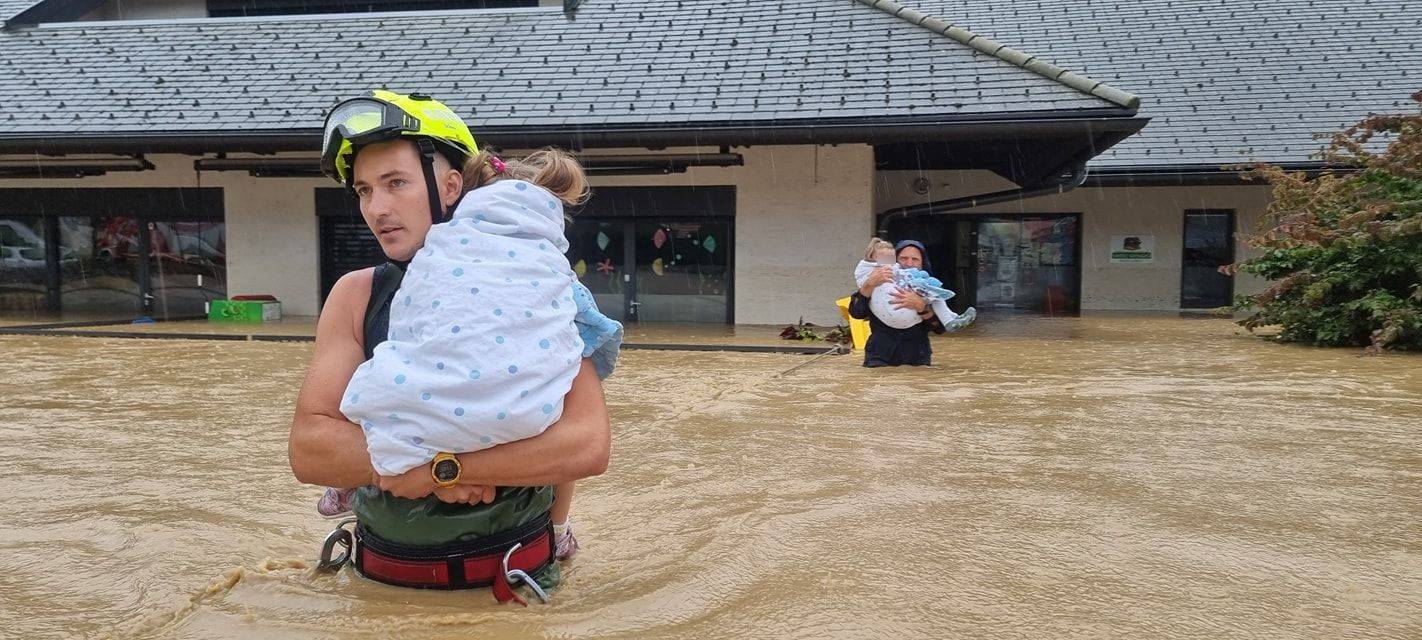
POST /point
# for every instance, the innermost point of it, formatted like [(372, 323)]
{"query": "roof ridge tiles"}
[(1007, 54)]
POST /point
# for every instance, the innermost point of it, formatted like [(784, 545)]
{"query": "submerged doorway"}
[(1025, 263)]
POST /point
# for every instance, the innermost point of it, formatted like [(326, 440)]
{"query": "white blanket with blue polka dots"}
[(487, 331)]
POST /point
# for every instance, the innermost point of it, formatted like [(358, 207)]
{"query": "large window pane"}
[(99, 265), (188, 262), (22, 266)]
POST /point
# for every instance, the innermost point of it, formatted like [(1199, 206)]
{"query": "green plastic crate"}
[(243, 311)]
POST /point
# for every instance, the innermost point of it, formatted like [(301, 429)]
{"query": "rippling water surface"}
[(1127, 476)]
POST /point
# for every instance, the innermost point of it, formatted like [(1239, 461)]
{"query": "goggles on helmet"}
[(357, 122)]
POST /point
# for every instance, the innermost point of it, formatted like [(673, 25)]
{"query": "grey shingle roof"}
[(1221, 80), (619, 62), (9, 8)]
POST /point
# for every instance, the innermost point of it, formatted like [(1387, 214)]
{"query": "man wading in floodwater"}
[(414, 530)]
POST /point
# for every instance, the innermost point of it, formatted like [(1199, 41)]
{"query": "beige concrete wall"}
[(804, 214), (271, 225), (272, 243), (1105, 211)]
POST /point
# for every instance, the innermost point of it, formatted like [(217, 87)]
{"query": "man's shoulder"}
[(345, 304), (352, 286)]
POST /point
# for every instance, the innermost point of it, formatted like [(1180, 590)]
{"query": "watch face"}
[(446, 470)]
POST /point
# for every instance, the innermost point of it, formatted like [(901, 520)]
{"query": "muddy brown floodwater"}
[(1104, 476)]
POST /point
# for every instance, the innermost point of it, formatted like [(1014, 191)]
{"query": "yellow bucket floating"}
[(858, 329)]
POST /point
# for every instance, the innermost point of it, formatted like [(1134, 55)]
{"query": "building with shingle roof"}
[(742, 152)]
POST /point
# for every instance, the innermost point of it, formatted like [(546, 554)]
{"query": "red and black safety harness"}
[(499, 561)]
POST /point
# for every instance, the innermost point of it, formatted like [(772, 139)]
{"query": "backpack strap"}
[(383, 285)]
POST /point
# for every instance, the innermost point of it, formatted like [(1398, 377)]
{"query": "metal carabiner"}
[(519, 574), (340, 536)]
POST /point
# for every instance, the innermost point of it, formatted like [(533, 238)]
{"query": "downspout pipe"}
[(1075, 178)]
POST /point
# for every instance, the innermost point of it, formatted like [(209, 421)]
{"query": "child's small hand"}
[(880, 276)]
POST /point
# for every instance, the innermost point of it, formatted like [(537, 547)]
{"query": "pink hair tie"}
[(497, 164)]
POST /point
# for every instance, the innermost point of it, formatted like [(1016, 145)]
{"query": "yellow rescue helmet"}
[(387, 115)]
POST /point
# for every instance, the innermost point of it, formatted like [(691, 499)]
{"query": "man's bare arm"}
[(324, 447)]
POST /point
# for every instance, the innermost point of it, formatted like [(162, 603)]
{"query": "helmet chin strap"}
[(438, 213), (427, 155)]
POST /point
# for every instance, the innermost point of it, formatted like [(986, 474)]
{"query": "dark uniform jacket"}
[(889, 347)]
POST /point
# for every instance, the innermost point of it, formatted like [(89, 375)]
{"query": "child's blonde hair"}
[(550, 168), (876, 244)]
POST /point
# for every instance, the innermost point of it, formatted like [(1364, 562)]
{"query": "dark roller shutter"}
[(346, 243)]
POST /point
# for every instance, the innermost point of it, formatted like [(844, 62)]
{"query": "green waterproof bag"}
[(428, 522)]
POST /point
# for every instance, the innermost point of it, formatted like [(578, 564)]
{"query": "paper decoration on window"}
[(602, 240), (709, 243), (657, 267), (678, 256), (659, 238), (581, 268), (606, 267)]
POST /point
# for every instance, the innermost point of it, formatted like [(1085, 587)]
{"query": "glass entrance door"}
[(1028, 264), (683, 271), (680, 269), (659, 254), (187, 265), (22, 265), (1209, 244)]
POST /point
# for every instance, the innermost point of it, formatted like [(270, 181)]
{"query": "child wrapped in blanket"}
[(487, 330), (881, 253)]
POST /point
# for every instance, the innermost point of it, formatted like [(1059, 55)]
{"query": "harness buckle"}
[(518, 574), (340, 536)]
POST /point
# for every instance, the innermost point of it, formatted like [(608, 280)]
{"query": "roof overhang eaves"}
[(843, 131)]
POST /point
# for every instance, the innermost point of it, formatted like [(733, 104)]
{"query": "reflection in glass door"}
[(1028, 264), (112, 252), (99, 266), (22, 265), (187, 263)]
